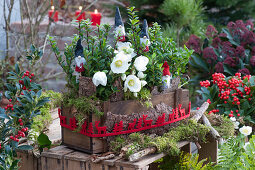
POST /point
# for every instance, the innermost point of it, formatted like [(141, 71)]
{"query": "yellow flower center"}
[(123, 48), (131, 82), (118, 63), (245, 131)]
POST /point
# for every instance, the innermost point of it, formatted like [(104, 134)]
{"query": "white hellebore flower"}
[(141, 63), (236, 125), (246, 130), (123, 77), (143, 82), (99, 78), (133, 83), (233, 119), (140, 75), (126, 48), (120, 63)]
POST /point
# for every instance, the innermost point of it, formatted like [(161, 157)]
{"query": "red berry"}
[(24, 88), (21, 124), (16, 136), (17, 140), (231, 112), (238, 103), (237, 111), (30, 80), (197, 108), (6, 108), (12, 109), (225, 102), (22, 93), (230, 115), (32, 74), (10, 100), (238, 114), (11, 137), (20, 120)]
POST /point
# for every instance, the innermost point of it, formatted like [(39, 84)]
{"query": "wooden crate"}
[(28, 161), (97, 145), (66, 159)]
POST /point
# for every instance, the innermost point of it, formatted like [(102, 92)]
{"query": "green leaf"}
[(43, 141), (25, 147), (200, 62), (17, 69), (42, 101), (3, 115)]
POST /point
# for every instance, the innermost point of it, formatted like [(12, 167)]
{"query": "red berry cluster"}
[(21, 133), (213, 111), (26, 74), (205, 83), (209, 101), (9, 106)]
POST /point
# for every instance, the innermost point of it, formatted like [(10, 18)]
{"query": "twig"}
[(201, 111), (214, 132)]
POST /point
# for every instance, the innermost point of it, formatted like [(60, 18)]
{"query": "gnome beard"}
[(145, 42), (166, 78), (79, 66), (120, 33)]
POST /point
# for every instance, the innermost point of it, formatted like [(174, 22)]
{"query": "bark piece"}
[(213, 132), (201, 111), (86, 87), (142, 153), (117, 96)]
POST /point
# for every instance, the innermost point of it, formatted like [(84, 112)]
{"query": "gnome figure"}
[(144, 36), (166, 78), (119, 26), (79, 59)]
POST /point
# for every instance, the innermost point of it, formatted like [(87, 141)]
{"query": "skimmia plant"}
[(17, 117)]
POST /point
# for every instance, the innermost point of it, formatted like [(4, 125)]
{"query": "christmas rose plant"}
[(232, 96), (132, 56), (17, 117), (230, 51)]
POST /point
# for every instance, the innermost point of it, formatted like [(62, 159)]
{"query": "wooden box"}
[(97, 145)]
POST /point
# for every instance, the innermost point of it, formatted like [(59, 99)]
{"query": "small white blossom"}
[(120, 63), (125, 88), (141, 63), (236, 125), (246, 130), (126, 48), (123, 77), (135, 94), (133, 83), (233, 119), (99, 78), (143, 82), (140, 75)]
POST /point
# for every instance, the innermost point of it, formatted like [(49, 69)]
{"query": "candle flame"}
[(80, 8), (96, 11), (52, 7)]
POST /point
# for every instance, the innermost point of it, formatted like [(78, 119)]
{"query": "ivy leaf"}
[(43, 141)]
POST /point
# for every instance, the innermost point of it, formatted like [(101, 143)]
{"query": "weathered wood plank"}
[(209, 150)]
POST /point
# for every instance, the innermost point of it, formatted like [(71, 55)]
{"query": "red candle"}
[(95, 17), (51, 12), (78, 14)]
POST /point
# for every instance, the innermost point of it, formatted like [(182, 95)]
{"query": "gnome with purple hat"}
[(119, 26), (144, 36)]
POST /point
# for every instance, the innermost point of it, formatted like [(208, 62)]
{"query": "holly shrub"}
[(17, 117), (232, 96)]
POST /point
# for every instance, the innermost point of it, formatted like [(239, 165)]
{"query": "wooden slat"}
[(208, 150)]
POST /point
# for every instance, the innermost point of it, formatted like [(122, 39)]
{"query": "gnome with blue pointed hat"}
[(79, 59), (119, 26), (144, 37)]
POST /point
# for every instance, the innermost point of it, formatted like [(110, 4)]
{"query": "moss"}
[(222, 124), (168, 143)]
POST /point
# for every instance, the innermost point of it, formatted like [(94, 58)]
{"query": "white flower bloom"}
[(140, 75), (126, 48), (143, 82), (246, 130), (133, 83), (141, 63), (125, 88), (236, 124), (99, 78), (123, 77), (120, 63), (135, 94), (233, 119)]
